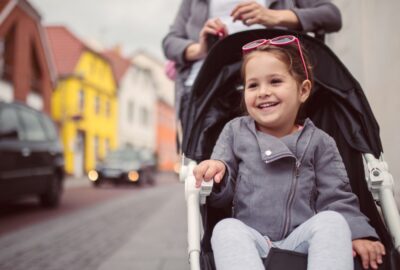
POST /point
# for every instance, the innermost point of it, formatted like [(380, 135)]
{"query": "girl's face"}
[(272, 95)]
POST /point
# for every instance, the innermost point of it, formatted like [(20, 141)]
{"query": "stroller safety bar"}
[(380, 183), (194, 196)]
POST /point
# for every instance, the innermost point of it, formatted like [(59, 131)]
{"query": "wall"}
[(137, 90), (369, 45)]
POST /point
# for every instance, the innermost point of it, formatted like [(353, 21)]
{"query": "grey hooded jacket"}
[(275, 184)]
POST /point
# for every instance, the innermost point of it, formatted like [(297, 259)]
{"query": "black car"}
[(31, 155), (125, 165)]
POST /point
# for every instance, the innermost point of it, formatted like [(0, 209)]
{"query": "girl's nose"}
[(264, 91)]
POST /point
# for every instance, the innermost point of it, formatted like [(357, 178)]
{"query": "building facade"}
[(26, 72), (84, 103), (165, 140)]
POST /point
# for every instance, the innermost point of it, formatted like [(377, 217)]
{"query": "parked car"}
[(125, 165), (31, 155)]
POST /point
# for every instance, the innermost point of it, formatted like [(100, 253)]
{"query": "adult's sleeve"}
[(319, 16), (334, 191), (222, 194), (176, 41)]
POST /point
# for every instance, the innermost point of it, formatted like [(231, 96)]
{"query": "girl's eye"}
[(276, 81), (251, 85)]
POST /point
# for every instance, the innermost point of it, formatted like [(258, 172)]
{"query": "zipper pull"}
[(298, 164)]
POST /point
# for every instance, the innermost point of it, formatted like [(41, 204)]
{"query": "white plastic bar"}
[(380, 183), (192, 195)]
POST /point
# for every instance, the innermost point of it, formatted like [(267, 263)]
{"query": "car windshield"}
[(122, 155)]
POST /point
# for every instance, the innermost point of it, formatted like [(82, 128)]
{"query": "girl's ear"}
[(305, 90)]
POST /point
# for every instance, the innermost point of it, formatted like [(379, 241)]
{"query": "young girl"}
[(286, 180)]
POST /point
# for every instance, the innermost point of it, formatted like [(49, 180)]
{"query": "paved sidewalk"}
[(159, 245), (142, 231)]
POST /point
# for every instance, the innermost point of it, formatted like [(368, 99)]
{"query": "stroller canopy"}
[(337, 100)]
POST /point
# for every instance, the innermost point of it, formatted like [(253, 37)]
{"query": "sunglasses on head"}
[(277, 41)]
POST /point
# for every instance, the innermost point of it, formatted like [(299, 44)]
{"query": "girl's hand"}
[(253, 13), (371, 252), (209, 169), (196, 51)]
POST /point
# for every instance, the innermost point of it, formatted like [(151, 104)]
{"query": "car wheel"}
[(51, 198), (148, 178), (97, 183)]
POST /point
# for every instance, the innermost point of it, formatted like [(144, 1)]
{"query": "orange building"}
[(166, 140)]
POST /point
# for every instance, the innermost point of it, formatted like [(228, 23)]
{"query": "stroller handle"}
[(194, 197), (381, 184)]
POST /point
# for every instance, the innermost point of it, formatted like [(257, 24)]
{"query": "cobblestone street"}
[(144, 230)]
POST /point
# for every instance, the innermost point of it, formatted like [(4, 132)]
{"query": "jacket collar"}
[(272, 148)]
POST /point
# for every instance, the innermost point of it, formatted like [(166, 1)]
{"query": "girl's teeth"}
[(266, 105)]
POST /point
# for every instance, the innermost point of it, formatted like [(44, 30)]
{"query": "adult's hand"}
[(196, 51), (253, 13)]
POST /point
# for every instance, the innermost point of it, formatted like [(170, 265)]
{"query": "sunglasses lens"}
[(283, 40), (254, 44)]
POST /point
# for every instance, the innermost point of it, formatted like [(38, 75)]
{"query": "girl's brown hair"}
[(290, 55)]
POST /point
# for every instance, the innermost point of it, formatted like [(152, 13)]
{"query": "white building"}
[(166, 127), (164, 86), (137, 99)]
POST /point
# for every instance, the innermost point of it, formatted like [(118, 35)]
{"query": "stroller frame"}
[(378, 179)]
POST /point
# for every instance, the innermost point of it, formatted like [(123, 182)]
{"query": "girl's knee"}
[(228, 229), (332, 221), (331, 217)]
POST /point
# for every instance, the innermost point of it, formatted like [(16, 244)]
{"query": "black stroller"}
[(337, 105)]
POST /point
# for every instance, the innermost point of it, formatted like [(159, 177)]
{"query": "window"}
[(81, 100), (97, 104), (108, 108), (9, 122), (50, 129), (33, 129), (144, 116), (130, 111)]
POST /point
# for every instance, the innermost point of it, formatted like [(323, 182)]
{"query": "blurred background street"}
[(124, 227)]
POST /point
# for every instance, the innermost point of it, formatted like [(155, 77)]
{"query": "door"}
[(36, 145), (15, 155), (79, 155)]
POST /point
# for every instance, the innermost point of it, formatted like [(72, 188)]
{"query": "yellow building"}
[(84, 103)]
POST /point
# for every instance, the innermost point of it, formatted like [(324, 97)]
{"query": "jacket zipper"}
[(291, 198), (293, 189)]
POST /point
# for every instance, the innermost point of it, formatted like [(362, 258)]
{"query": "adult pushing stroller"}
[(337, 105)]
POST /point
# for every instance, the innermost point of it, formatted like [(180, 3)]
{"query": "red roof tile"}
[(119, 64), (66, 49)]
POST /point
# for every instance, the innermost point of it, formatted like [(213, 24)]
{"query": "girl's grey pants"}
[(326, 238)]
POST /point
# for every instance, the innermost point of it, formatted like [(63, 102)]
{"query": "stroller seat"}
[(337, 105)]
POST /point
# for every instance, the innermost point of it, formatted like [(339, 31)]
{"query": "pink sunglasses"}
[(277, 41)]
